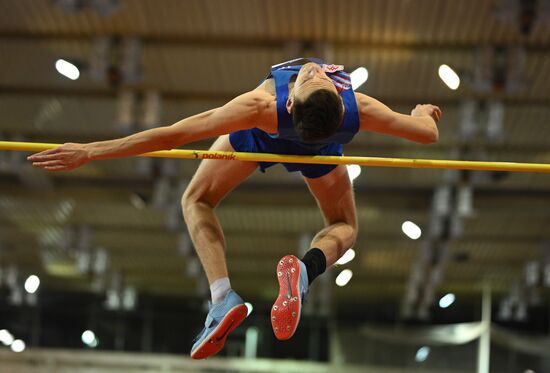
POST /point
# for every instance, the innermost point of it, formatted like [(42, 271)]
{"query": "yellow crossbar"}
[(316, 159)]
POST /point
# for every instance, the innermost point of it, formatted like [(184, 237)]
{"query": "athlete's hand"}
[(63, 158), (428, 109)]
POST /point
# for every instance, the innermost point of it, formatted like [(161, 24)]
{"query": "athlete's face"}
[(311, 77)]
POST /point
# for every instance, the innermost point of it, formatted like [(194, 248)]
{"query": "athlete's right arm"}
[(243, 112)]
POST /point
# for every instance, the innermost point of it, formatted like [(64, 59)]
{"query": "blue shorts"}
[(257, 141)]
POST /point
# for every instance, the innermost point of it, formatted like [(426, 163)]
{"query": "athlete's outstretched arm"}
[(420, 126), (240, 113)]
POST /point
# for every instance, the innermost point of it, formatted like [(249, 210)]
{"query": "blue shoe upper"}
[(216, 314)]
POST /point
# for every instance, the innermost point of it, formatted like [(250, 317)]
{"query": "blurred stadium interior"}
[(112, 253)]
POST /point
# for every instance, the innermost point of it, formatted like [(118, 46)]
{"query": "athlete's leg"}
[(334, 195), (212, 181)]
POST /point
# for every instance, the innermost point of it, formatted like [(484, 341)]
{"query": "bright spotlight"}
[(347, 257), (88, 337), (249, 308), (94, 343), (359, 77), (344, 277), (354, 170), (67, 69), (446, 300), (412, 230), (422, 354), (18, 346), (31, 284), (6, 337), (449, 77)]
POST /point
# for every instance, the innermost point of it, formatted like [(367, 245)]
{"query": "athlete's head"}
[(316, 108)]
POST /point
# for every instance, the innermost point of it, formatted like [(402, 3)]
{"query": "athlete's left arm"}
[(420, 126)]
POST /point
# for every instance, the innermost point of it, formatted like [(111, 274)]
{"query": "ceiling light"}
[(347, 257), (344, 277), (6, 337), (447, 300), (18, 346), (67, 69), (129, 298), (354, 170), (449, 77), (412, 230), (88, 337), (31, 284), (422, 354), (359, 77)]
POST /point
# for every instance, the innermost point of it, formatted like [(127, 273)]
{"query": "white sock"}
[(219, 289)]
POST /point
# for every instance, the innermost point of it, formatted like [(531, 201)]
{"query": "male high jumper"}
[(304, 107)]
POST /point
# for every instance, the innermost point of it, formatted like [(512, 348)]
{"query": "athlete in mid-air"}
[(305, 107)]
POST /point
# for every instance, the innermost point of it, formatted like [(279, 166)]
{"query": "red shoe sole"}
[(285, 313), (216, 340)]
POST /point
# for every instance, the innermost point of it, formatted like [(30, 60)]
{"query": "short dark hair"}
[(317, 117)]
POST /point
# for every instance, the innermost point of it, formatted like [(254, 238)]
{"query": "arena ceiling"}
[(199, 53)]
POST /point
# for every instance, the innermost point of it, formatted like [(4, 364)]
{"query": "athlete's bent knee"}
[(193, 197)]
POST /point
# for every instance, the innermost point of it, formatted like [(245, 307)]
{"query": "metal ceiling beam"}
[(247, 42)]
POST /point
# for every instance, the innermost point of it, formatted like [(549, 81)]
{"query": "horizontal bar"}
[(315, 159)]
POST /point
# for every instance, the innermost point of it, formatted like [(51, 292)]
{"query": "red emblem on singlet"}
[(332, 68)]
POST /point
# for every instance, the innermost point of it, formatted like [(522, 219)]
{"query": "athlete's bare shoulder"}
[(268, 86)]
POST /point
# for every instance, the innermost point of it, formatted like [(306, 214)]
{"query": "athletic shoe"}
[(293, 286), (222, 318)]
